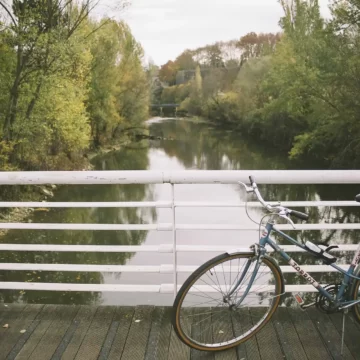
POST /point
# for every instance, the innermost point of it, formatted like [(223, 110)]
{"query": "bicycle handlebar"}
[(258, 195), (298, 214)]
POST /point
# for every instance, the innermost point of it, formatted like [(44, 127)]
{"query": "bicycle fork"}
[(243, 275)]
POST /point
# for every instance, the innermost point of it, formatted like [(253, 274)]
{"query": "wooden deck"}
[(85, 333)]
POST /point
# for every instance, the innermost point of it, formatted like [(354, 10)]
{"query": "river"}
[(181, 145)]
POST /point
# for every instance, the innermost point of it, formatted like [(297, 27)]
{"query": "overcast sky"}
[(165, 28)]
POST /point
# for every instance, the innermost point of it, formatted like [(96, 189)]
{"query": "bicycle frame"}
[(266, 240)]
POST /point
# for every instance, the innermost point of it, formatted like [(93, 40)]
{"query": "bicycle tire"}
[(220, 260)]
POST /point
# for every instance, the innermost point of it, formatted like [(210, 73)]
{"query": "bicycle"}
[(231, 297)]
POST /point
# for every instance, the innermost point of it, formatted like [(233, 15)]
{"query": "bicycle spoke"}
[(211, 286), (218, 285), (218, 281), (203, 293), (206, 302), (222, 265)]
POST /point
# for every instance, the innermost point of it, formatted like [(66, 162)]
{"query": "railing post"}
[(174, 238)]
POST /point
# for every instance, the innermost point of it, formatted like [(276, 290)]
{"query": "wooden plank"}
[(242, 323), (288, 337), (22, 341), (138, 334), (177, 349), (330, 335), (83, 320), (201, 330), (124, 315), (12, 335), (268, 343), (45, 318), (65, 341), (8, 314), (352, 332), (114, 333), (106, 347), (55, 332), (159, 337), (222, 330), (96, 334), (308, 334)]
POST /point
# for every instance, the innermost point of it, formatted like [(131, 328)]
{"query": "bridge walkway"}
[(44, 332)]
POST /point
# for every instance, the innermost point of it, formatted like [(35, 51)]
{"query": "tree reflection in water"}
[(135, 159), (199, 146), (195, 146)]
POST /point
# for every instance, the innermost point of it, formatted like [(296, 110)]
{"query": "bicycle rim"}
[(209, 318)]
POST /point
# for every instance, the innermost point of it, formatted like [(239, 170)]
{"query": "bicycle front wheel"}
[(215, 308)]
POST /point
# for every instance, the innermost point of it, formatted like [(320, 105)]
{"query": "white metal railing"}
[(157, 177)]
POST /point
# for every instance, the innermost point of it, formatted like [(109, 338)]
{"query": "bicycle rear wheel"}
[(206, 316)]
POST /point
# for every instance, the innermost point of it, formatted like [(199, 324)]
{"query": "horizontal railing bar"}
[(86, 248), (258, 205), (164, 248), (225, 248), (212, 289), (113, 204), (349, 226), (284, 269), (168, 227), (167, 204), (163, 269), (163, 288), (84, 268), (180, 177), (68, 226), (78, 287)]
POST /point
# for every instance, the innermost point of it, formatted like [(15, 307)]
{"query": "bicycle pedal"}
[(299, 299)]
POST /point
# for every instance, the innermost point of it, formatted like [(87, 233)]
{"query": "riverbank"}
[(45, 193), (41, 193)]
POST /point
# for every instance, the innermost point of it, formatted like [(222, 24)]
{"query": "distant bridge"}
[(165, 105), (166, 109)]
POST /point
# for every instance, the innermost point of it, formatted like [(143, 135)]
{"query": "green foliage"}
[(119, 95), (175, 94), (298, 91), (67, 82), (193, 104)]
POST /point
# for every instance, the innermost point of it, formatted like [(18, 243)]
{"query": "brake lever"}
[(288, 220)]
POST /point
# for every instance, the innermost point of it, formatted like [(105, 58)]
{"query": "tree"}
[(119, 96), (185, 61), (193, 104), (254, 45), (104, 77), (37, 27), (214, 56), (65, 80), (167, 72)]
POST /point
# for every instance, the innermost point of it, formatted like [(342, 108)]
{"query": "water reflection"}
[(198, 146), (180, 144), (122, 160)]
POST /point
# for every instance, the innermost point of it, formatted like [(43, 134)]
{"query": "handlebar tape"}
[(299, 215)]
